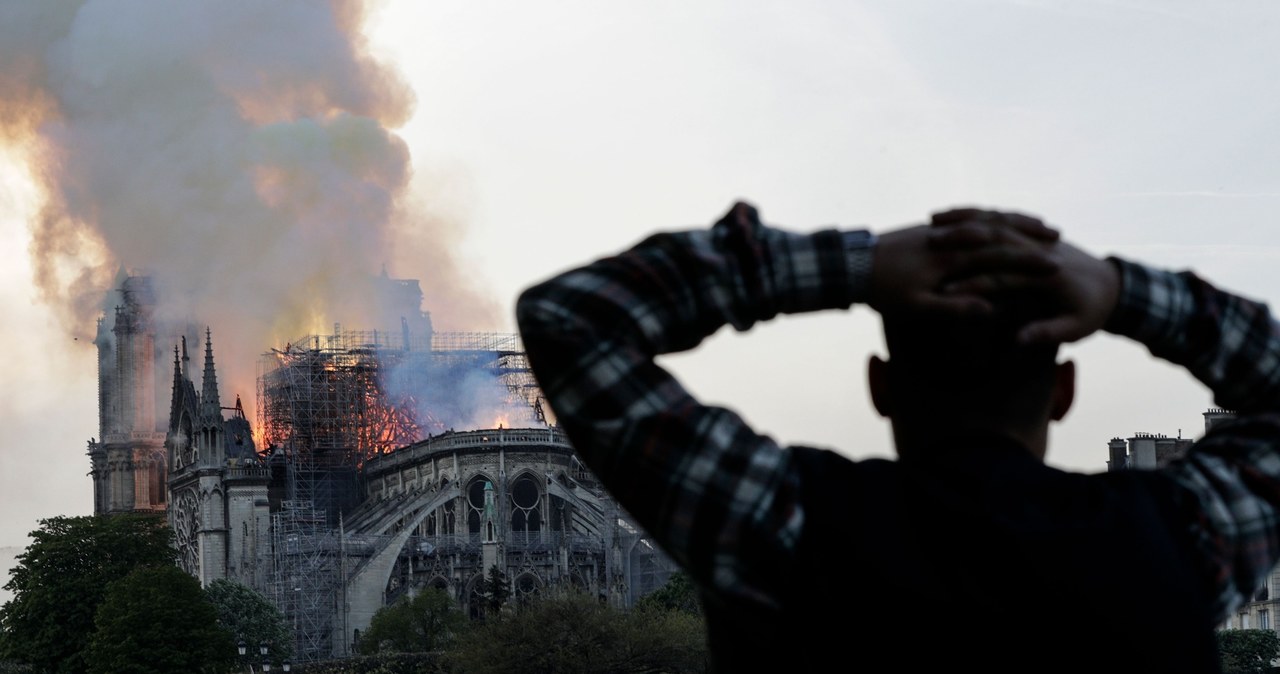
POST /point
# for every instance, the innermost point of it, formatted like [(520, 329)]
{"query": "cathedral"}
[(384, 462), (217, 484)]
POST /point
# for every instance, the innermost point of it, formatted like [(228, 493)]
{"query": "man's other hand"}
[(1078, 297), (913, 265)]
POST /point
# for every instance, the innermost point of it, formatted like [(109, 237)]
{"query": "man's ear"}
[(878, 380), (1064, 390)]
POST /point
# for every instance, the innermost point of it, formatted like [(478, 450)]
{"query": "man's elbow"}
[(529, 309)]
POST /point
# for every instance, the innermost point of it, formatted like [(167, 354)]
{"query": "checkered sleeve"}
[(696, 477), (1231, 344)]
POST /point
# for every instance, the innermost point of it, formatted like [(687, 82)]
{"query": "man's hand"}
[(1079, 296), (966, 225), (912, 266)]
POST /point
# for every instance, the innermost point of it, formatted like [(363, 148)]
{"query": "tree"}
[(657, 640), (62, 577), (575, 633), (158, 621), (245, 614), (678, 594), (1248, 651), (428, 622), (496, 590)]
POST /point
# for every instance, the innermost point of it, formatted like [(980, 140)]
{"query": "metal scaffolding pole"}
[(306, 577)]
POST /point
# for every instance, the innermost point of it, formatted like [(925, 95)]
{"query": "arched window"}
[(527, 588), (449, 512), (525, 498), (157, 477), (475, 504), (475, 599)]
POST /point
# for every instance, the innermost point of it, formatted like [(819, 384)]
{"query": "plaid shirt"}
[(724, 501)]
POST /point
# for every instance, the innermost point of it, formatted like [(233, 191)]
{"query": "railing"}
[(134, 436), (507, 437), (261, 472)]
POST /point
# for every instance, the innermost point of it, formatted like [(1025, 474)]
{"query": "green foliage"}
[(62, 577), (382, 663), (677, 594), (577, 634), (247, 615), (1247, 651), (428, 622), (664, 641), (158, 621), (496, 590)]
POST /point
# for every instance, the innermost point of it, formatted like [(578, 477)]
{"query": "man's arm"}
[(1229, 343), (1232, 345), (696, 477), (711, 490)]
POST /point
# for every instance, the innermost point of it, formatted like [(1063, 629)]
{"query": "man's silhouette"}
[(968, 551)]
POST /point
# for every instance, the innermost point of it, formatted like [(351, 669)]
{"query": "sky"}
[(500, 143)]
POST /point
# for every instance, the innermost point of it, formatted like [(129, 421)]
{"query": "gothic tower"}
[(127, 460), (218, 485)]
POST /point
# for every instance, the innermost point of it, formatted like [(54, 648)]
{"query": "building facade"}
[(363, 492), (1149, 451), (217, 484), (1146, 451)]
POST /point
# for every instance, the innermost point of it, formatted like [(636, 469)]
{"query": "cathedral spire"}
[(177, 372), (176, 394), (211, 407)]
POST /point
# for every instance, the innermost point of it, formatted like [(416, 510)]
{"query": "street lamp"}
[(242, 648)]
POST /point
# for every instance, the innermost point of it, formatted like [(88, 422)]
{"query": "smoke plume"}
[(238, 152)]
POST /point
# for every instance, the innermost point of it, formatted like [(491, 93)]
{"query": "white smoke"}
[(458, 396), (239, 152)]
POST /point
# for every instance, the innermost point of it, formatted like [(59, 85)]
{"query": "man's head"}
[(948, 375)]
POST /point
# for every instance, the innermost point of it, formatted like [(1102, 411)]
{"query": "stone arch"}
[(474, 597), (527, 503), (150, 477), (366, 587), (215, 513), (528, 586), (474, 500), (183, 441)]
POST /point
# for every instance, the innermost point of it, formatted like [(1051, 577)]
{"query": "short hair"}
[(951, 367)]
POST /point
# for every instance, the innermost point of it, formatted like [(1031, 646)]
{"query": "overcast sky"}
[(552, 133)]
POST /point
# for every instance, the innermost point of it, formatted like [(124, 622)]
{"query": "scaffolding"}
[(347, 397), (328, 395), (307, 577), (328, 403), (500, 353)]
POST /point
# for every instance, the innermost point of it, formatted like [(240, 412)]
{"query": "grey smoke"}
[(238, 152)]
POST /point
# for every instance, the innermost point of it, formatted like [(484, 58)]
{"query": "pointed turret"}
[(176, 395), (210, 406), (177, 368), (186, 372)]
